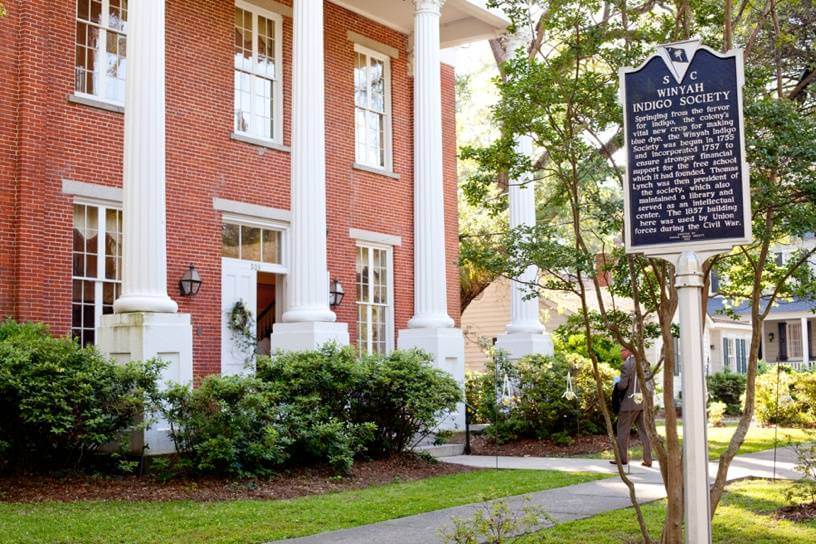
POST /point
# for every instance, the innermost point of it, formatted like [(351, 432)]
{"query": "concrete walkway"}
[(563, 503)]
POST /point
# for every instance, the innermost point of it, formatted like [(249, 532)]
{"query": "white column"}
[(525, 333), (430, 285), (431, 329), (144, 253), (308, 321), (689, 283), (805, 343), (146, 324)]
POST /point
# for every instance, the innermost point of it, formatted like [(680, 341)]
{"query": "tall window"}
[(372, 100), (97, 267), (374, 319), (101, 49), (258, 96), (794, 340)]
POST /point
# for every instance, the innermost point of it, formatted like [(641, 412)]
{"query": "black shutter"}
[(783, 342), (810, 341)]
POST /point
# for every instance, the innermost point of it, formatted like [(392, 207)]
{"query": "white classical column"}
[(805, 343), (431, 328), (525, 333), (146, 324), (430, 289), (144, 255), (308, 322)]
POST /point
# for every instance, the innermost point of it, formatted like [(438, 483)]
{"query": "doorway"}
[(251, 303)]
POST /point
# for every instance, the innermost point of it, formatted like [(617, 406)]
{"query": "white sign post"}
[(687, 199)]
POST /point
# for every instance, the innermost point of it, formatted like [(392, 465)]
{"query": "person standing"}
[(631, 411)]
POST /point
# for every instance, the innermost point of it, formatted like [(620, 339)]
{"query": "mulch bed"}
[(581, 445), (295, 483), (798, 513)]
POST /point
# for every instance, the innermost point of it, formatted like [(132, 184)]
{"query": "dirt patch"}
[(798, 513), (295, 483), (581, 445)]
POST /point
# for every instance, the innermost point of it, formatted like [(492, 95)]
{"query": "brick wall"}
[(46, 139)]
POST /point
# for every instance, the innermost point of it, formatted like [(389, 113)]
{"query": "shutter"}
[(742, 365), (783, 341), (725, 354), (810, 341)]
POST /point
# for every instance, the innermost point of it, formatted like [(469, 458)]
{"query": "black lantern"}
[(336, 293), (190, 282)]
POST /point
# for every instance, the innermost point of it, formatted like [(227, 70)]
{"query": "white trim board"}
[(374, 45), (375, 237), (91, 191), (250, 211)]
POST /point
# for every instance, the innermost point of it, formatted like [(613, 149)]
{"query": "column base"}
[(447, 348), (307, 336), (522, 344), (143, 336)]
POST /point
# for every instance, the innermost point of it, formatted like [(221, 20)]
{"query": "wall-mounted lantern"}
[(336, 293), (190, 282), (770, 337)]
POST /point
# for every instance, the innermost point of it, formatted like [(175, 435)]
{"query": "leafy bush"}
[(345, 405), (727, 387), (403, 394), (229, 425), (540, 403), (804, 489), (773, 386), (716, 411), (61, 403)]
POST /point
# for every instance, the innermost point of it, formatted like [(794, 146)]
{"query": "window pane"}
[(360, 81), (230, 240), (377, 81), (243, 40), (118, 15), (362, 274), (271, 246), (266, 48), (250, 243)]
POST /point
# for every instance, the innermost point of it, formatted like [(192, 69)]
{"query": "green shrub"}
[(229, 425), (474, 396), (61, 403), (804, 391), (716, 411), (727, 387), (769, 389), (540, 406), (402, 394)]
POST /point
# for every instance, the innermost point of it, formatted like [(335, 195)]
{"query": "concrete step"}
[(442, 450)]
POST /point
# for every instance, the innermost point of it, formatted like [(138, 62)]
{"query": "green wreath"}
[(241, 326)]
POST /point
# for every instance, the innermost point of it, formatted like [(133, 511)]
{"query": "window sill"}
[(374, 170), (259, 142), (98, 103)]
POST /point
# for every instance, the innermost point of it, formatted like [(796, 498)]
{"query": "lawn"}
[(758, 439), (252, 521), (742, 517)]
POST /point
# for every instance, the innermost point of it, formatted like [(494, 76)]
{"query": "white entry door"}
[(239, 282)]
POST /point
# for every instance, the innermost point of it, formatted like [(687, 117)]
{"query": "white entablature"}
[(462, 21)]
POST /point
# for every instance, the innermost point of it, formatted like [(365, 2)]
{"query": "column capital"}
[(429, 6)]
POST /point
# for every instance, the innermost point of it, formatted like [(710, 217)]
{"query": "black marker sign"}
[(687, 183)]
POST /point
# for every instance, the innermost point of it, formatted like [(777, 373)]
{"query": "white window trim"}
[(389, 308), (389, 147), (277, 85), (98, 100)]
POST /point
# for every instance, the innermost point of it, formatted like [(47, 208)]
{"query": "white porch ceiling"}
[(463, 21)]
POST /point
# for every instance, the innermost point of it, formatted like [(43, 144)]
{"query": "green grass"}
[(251, 521), (758, 439), (743, 517)]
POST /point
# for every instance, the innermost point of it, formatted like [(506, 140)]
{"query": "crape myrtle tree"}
[(558, 83)]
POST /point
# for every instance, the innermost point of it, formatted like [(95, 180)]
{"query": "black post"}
[(467, 429)]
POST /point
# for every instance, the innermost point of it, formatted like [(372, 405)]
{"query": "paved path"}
[(563, 503)]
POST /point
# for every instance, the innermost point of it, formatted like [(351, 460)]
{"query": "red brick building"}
[(280, 140)]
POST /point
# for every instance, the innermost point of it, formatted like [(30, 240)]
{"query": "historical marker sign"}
[(687, 180)]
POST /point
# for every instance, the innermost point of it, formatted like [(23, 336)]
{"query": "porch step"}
[(442, 450)]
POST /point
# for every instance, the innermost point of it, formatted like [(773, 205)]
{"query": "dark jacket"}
[(631, 385)]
